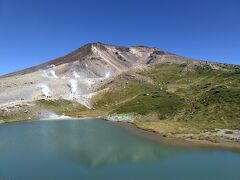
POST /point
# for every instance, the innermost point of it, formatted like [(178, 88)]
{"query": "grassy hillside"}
[(199, 98)]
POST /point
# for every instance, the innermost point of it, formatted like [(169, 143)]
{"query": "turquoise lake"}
[(97, 149)]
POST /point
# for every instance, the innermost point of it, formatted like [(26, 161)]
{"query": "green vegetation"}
[(13, 117), (60, 106), (23, 112), (162, 102), (120, 94), (197, 98)]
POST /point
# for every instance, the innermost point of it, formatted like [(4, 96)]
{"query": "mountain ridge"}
[(84, 51), (79, 53), (153, 89)]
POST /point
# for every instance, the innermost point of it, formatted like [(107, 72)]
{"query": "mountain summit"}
[(75, 75), (106, 57), (151, 88)]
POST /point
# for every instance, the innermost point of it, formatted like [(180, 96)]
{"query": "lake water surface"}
[(97, 149)]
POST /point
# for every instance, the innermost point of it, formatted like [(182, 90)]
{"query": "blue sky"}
[(34, 31)]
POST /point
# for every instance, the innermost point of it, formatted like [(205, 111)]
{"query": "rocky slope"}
[(153, 89), (75, 76)]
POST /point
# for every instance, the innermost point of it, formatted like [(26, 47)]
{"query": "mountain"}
[(75, 75), (153, 89)]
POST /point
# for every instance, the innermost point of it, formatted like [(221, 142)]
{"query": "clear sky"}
[(34, 31)]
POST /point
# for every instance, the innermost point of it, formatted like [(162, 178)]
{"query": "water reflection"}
[(94, 149), (91, 143), (99, 144)]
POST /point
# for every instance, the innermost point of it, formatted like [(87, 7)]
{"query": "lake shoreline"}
[(177, 141)]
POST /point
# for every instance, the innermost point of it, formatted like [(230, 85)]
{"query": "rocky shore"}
[(220, 138)]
